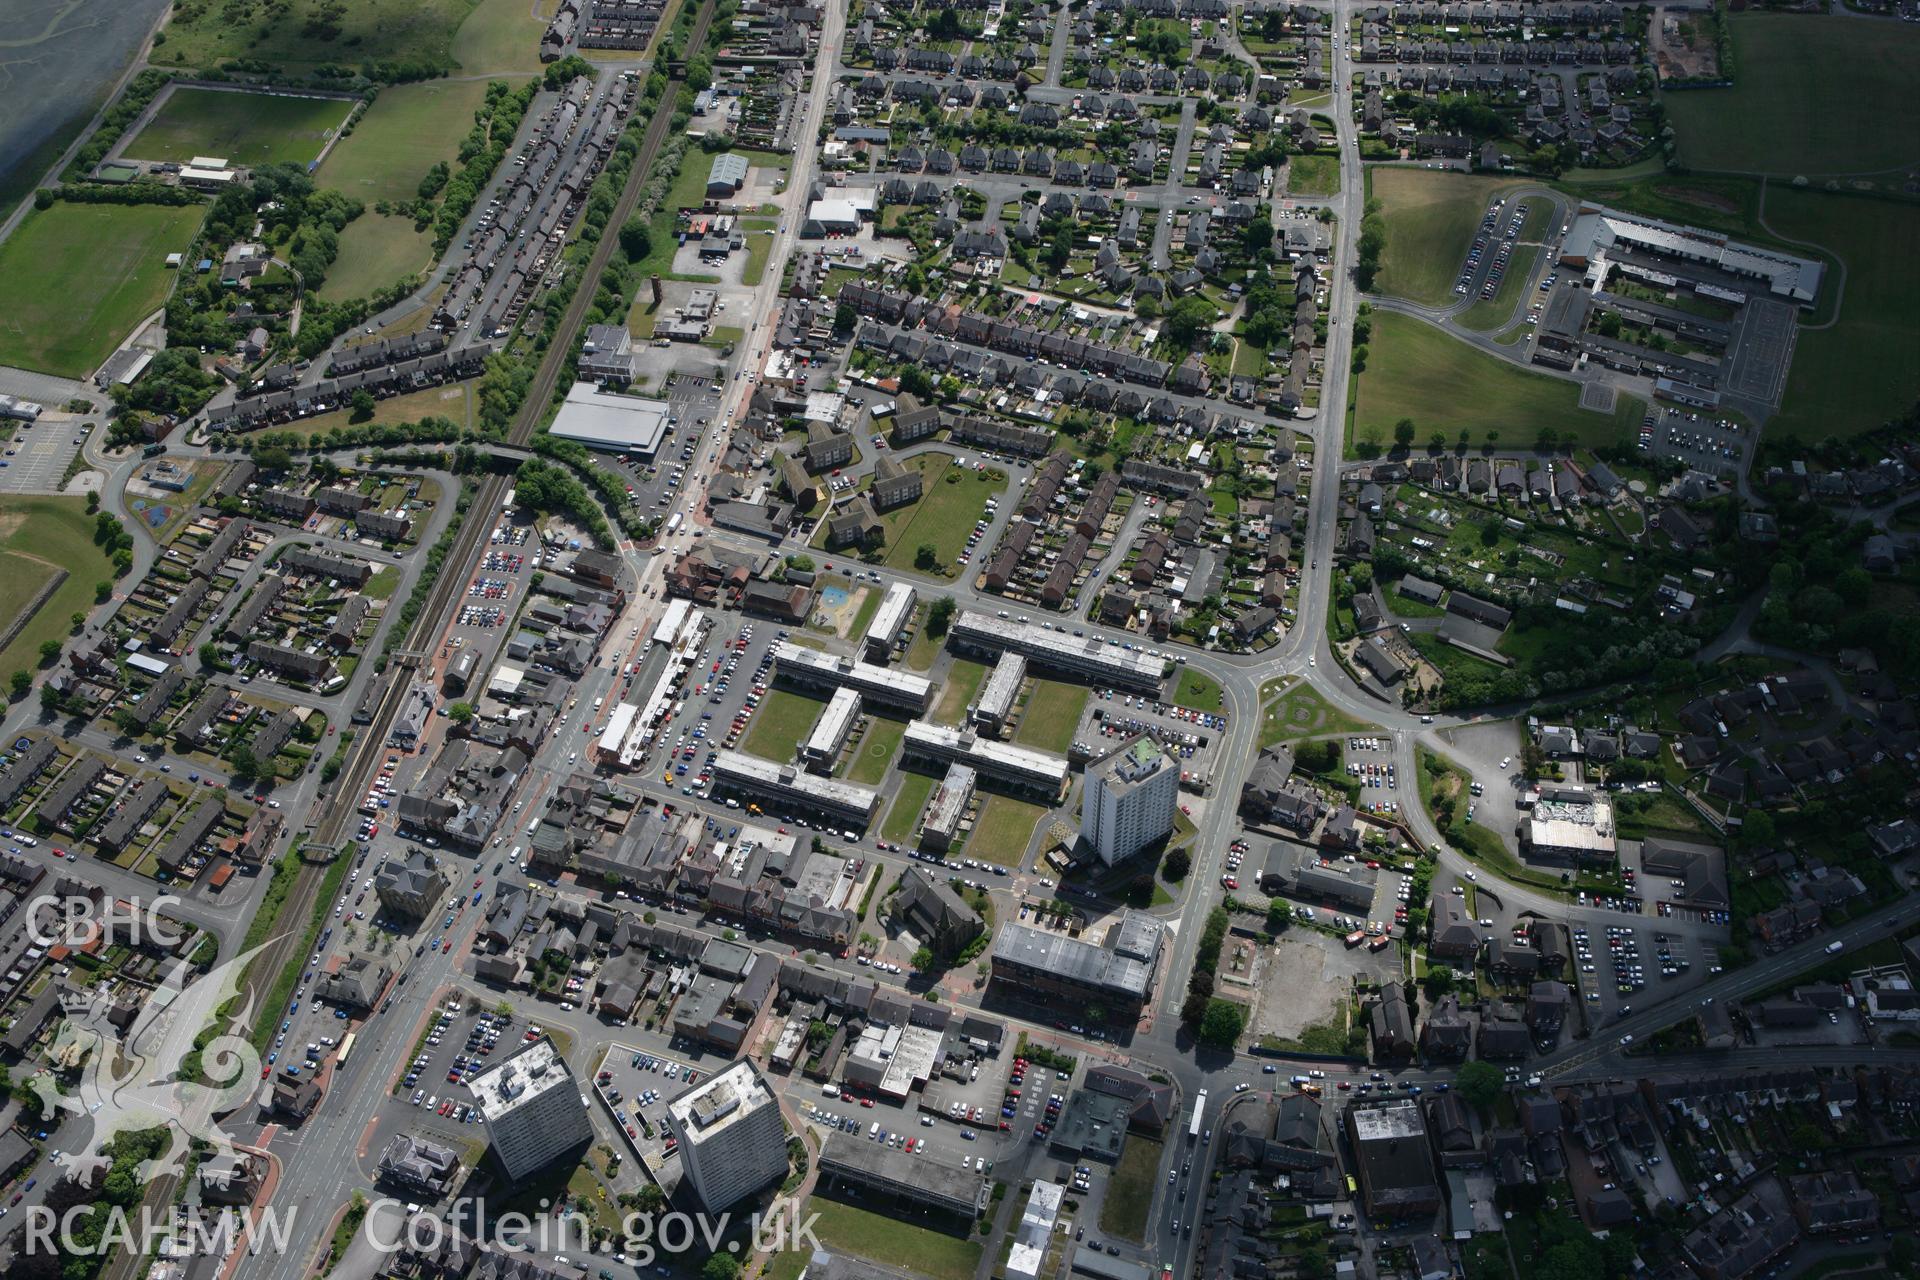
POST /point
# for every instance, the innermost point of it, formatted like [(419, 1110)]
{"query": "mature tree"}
[(20, 682), (940, 616), (460, 712), (1403, 432), (363, 406), (721, 1266), (49, 652), (1222, 1023), (1176, 865), (1479, 1083), (636, 239), (926, 556), (922, 959), (1188, 318)]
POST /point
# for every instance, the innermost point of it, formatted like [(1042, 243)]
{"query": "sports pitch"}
[(242, 128), (79, 277)]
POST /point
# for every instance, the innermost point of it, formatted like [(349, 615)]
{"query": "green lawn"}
[(79, 277), (1415, 370), (1494, 313), (501, 35), (910, 792), (889, 1240), (1811, 96), (783, 721), (1052, 714), (963, 681), (407, 130), (1301, 712), (243, 128), (1859, 373), (453, 401), (413, 30), (375, 251), (1313, 175), (1197, 691), (1003, 830), (876, 750), (1430, 216), (1130, 1190), (954, 499)]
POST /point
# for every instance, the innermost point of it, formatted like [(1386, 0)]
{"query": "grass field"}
[(891, 1241), (243, 128), (453, 401), (79, 277), (1197, 691), (1052, 714), (1856, 375), (375, 251), (501, 35), (413, 30), (1416, 371), (876, 750), (1810, 97), (1130, 1191), (1003, 830), (1313, 175), (945, 514), (407, 130), (782, 722), (1494, 313), (1301, 712), (963, 681), (1430, 216), (910, 794)]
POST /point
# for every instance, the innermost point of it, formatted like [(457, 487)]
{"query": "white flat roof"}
[(533, 1071), (892, 615), (603, 420)]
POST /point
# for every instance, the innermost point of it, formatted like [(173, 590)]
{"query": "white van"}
[(874, 1132), (829, 1090)]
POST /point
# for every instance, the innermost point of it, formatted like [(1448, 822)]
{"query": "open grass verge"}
[(79, 277), (1003, 830), (948, 509), (1313, 175), (963, 681), (876, 751), (1301, 712), (1417, 371), (1197, 691), (1052, 713), (782, 722), (893, 1241), (910, 794), (1130, 1190)]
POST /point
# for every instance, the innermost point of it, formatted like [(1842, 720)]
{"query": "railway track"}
[(460, 565)]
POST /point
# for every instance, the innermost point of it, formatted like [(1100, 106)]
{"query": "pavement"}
[(333, 1146)]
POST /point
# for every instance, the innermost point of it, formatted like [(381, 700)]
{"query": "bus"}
[(346, 1047), (1199, 1115)]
